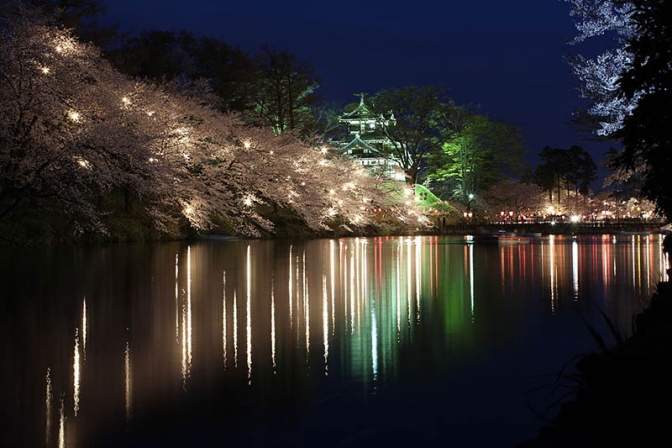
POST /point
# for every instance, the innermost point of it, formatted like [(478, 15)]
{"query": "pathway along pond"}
[(430, 341)]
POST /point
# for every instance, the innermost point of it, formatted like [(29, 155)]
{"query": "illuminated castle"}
[(365, 140)]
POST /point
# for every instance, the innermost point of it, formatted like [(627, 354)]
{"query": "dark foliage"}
[(647, 134)]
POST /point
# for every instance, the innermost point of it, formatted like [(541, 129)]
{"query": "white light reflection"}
[(61, 425), (128, 381), (648, 260), (298, 299), (418, 278), (360, 269), (409, 277), (398, 294), (605, 263), (635, 262), (187, 327), (249, 315), (374, 340), (235, 329), (332, 267), (49, 398), (184, 349), (189, 313), (343, 279), (177, 301), (273, 325), (84, 327), (364, 269), (551, 261), (306, 304), (664, 263), (575, 269), (291, 290), (358, 287), (224, 342), (76, 372), (325, 323), (471, 280), (353, 287)]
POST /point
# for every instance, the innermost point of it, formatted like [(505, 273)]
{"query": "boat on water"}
[(480, 239), (501, 237)]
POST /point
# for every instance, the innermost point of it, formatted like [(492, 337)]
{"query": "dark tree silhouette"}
[(647, 134)]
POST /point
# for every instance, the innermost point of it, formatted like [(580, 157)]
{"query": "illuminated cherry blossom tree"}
[(75, 135), (67, 136), (610, 23)]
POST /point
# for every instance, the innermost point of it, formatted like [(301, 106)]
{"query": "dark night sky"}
[(506, 56)]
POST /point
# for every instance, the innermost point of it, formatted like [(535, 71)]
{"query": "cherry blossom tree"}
[(66, 135), (609, 22), (76, 135), (512, 195), (628, 88)]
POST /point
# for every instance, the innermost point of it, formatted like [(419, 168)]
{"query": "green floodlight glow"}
[(430, 200)]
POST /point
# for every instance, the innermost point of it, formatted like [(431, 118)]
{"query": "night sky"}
[(506, 56)]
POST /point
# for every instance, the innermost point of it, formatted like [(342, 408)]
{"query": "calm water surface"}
[(428, 341)]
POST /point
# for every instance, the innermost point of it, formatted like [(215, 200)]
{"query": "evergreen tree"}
[(573, 167), (284, 92), (181, 57), (82, 17)]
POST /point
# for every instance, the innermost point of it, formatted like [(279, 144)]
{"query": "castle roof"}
[(359, 112), (358, 143)]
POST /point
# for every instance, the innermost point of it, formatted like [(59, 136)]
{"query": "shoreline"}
[(624, 228)]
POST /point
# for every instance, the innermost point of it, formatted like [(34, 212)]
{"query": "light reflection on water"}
[(154, 324)]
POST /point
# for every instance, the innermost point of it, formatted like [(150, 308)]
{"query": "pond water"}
[(429, 341)]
